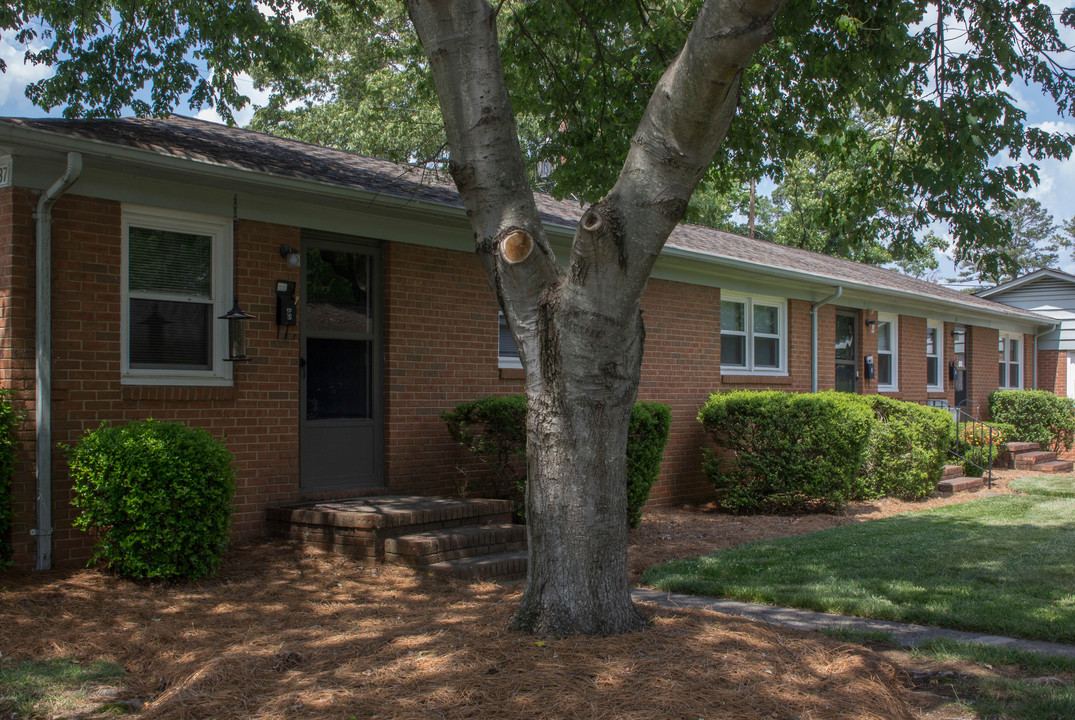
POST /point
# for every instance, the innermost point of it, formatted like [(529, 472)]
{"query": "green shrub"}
[(787, 452), (157, 495), (494, 429), (9, 421), (907, 448), (647, 436), (1037, 415)]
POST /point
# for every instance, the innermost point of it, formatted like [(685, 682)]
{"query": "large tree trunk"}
[(578, 406), (580, 332)]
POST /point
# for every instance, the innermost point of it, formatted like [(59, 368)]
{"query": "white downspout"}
[(813, 334), (1043, 333), (43, 378)]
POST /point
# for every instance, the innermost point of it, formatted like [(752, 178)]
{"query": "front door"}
[(341, 429), (959, 380), (846, 352)]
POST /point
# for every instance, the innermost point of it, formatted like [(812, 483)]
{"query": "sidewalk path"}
[(903, 633)]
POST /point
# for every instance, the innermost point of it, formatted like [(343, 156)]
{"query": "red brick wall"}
[(257, 419), (440, 348), (17, 328), (982, 370), (1053, 371)]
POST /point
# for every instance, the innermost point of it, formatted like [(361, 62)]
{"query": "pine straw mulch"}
[(287, 632)]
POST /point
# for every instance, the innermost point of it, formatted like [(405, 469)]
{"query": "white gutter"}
[(813, 334), (1043, 333), (43, 378)]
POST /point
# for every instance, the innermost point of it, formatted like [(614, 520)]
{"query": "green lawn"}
[(1002, 565), (1055, 486)]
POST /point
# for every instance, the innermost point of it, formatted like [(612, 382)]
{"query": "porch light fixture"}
[(872, 325), (236, 332), (290, 254)]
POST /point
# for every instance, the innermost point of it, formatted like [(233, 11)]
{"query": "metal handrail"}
[(978, 429)]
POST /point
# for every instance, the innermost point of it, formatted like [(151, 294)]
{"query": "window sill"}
[(187, 393), (755, 379)]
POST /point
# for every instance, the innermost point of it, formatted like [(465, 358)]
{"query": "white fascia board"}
[(868, 296)]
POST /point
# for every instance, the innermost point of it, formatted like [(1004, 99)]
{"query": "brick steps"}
[(436, 546), (1021, 447), (500, 566), (952, 471), (1055, 466), (958, 484), (464, 538), (1031, 460)]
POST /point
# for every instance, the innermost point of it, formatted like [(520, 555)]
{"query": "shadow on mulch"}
[(285, 632)]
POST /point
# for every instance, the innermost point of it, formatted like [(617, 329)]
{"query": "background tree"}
[(635, 105), (1032, 241)]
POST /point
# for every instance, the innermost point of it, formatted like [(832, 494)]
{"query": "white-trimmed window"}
[(175, 283), (888, 341), (1010, 349), (507, 352), (934, 356), (753, 335)]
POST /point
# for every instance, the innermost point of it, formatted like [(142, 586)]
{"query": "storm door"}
[(341, 430), (959, 381), (846, 352)]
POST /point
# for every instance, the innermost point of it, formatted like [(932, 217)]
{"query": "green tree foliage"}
[(1032, 241), (934, 75)]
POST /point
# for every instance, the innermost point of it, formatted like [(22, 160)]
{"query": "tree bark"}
[(580, 333)]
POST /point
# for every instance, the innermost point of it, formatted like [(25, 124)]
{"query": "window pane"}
[(884, 332), (931, 341), (932, 372), (1013, 351), (766, 320), (337, 287), (766, 352), (845, 337), (731, 316), (733, 350), (338, 378), (506, 346), (1013, 375), (1003, 376), (170, 335), (162, 261), (1000, 346), (884, 369)]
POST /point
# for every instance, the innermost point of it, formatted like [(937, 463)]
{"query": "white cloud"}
[(258, 98), (13, 82)]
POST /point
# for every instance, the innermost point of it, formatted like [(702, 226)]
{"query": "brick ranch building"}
[(161, 225)]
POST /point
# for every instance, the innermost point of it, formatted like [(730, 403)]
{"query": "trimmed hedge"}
[(9, 422), (804, 452), (907, 448), (158, 497), (494, 429), (1037, 416), (789, 452)]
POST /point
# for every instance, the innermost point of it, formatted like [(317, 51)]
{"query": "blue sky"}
[(1056, 190)]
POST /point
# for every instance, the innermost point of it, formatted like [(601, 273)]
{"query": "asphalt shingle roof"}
[(200, 141)]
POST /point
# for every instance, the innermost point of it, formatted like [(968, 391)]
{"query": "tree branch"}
[(683, 126)]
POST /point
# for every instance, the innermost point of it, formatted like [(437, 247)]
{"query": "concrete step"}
[(1055, 466), (436, 546), (1021, 447), (959, 484), (501, 566), (1031, 460), (952, 471)]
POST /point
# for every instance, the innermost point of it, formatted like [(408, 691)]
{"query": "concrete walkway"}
[(903, 633)]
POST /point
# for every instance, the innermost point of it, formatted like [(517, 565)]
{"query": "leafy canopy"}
[(945, 141)]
